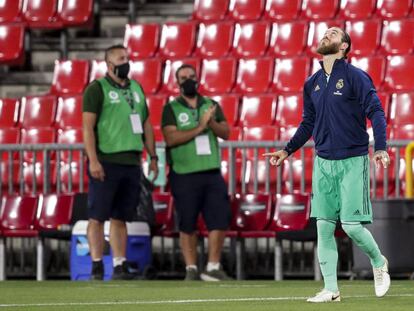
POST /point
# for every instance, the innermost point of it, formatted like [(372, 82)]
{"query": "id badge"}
[(203, 145), (136, 123)]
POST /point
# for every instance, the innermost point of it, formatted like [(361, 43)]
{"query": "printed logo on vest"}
[(114, 97), (183, 118)]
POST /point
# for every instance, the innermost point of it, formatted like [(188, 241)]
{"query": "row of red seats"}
[(251, 110), (259, 38), (213, 10)]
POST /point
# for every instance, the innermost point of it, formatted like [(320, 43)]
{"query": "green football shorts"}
[(340, 189)]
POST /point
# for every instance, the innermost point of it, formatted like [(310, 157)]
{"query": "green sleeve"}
[(219, 113), (168, 117), (93, 98)]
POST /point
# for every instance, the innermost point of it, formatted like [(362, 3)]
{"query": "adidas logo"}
[(357, 213)]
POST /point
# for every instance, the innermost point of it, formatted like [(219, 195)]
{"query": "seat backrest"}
[(290, 74), (397, 37), (37, 136), (214, 39), (142, 40), (70, 136), (251, 39), (243, 10), (292, 212), (177, 39), (9, 135), (402, 107), (288, 38), (365, 36), (69, 112), (398, 73), (229, 103), (18, 212), (155, 105), (254, 75), (207, 10), (98, 70), (38, 111), (357, 9), (147, 72), (218, 75), (55, 210), (289, 110), (254, 211), (163, 206), (70, 77), (10, 11), (75, 12), (316, 9), (374, 65), (12, 44), (258, 110), (282, 10), (9, 112), (391, 9), (41, 13)]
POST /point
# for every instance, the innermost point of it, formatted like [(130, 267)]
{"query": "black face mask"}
[(121, 71), (189, 88)]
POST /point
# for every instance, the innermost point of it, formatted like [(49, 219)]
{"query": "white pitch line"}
[(182, 301)]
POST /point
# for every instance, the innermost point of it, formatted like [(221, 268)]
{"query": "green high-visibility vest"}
[(114, 125), (184, 157)]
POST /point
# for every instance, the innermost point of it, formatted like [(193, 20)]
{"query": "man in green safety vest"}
[(116, 128), (191, 124)]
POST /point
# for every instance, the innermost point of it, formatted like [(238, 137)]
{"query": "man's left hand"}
[(381, 156), (153, 167)]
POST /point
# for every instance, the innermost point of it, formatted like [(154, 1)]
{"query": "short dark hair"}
[(111, 48), (346, 38), (184, 66)]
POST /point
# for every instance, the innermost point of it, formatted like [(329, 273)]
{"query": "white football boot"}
[(326, 296), (382, 279)]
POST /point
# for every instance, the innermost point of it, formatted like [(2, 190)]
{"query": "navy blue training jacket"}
[(335, 113)]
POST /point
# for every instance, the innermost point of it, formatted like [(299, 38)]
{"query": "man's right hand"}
[(96, 170), (276, 158), (205, 118)]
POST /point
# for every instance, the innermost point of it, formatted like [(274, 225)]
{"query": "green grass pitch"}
[(183, 296)]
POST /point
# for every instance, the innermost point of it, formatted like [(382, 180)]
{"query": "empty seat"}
[(12, 44), (37, 136), (177, 39), (38, 111), (155, 105), (289, 110), (402, 107), (214, 39), (316, 9), (258, 110), (217, 75), (390, 9), (75, 12), (98, 70), (317, 31), (207, 10), (398, 37), (260, 133), (251, 39), (169, 81), (70, 178), (229, 103), (254, 75), (69, 112), (9, 136), (147, 72), (290, 74), (142, 40), (70, 77), (357, 9), (288, 38), (374, 66), (9, 112), (246, 9), (282, 10), (70, 136), (10, 11), (365, 36), (41, 14), (398, 74)]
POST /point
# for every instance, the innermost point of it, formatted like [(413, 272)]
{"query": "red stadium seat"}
[(10, 11), (69, 112), (9, 112), (398, 73), (164, 214), (251, 39), (70, 177), (147, 72), (37, 136), (214, 39), (317, 31), (142, 40), (75, 12), (207, 10), (38, 111), (402, 107), (68, 137), (98, 70), (282, 10), (217, 75), (12, 44), (289, 110), (261, 133), (9, 135), (258, 110), (290, 74), (374, 66), (357, 9), (229, 103), (365, 36), (169, 81), (254, 75), (316, 66), (292, 173), (242, 10), (384, 98), (288, 39), (55, 210), (41, 14), (155, 105), (70, 77), (177, 39), (316, 9), (158, 136), (398, 37), (9, 178), (389, 9)]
